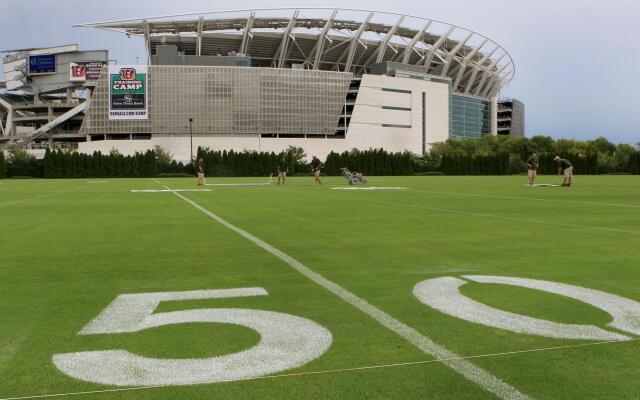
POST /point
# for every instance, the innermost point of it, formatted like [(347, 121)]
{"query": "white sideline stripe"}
[(330, 371), (541, 185), (493, 216), (167, 190), (589, 203), (428, 346), (42, 196), (268, 183), (237, 184)]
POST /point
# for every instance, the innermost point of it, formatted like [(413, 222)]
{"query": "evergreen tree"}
[(47, 164), (632, 167), (21, 163), (3, 166)]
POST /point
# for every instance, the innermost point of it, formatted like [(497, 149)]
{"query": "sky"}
[(577, 61)]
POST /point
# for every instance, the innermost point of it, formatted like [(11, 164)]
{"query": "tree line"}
[(250, 163), (474, 164), (489, 155), (71, 164), (370, 162), (633, 166), (598, 156), (501, 164)]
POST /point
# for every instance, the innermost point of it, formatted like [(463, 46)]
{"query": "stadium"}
[(320, 79), (439, 260)]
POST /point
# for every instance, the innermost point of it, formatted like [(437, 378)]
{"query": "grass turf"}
[(69, 247)]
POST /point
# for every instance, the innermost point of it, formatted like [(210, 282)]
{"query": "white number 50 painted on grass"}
[(444, 295), (286, 341)]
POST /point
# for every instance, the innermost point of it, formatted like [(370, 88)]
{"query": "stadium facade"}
[(265, 79), (511, 117)]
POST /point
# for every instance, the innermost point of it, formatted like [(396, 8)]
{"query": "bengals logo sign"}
[(128, 92), (128, 74), (77, 72)]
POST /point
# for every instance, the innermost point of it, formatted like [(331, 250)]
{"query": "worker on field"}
[(565, 166), (315, 168), (200, 171), (532, 168), (282, 170)]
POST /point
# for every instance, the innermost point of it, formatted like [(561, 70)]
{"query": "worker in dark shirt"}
[(565, 166), (315, 168), (532, 167), (282, 170), (200, 171)]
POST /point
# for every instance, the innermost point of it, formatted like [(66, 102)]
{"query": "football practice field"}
[(428, 288)]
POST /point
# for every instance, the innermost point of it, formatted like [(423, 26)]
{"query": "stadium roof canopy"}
[(332, 39)]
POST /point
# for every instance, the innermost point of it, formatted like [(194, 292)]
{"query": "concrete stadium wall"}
[(365, 131), (366, 128)]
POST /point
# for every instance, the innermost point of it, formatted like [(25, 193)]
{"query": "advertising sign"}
[(77, 72), (42, 64), (128, 92), (85, 71), (93, 70)]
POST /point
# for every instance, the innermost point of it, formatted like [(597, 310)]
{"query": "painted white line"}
[(493, 216), (96, 181), (237, 184), (168, 191), (369, 188), (541, 185), (471, 372), (588, 203), (332, 371), (41, 196)]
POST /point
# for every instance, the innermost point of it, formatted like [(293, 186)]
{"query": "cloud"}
[(575, 60)]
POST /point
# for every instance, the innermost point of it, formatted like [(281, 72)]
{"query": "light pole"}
[(191, 137)]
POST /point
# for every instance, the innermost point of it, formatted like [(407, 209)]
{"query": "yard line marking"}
[(330, 371), (41, 196), (493, 216), (592, 203), (237, 184), (428, 346)]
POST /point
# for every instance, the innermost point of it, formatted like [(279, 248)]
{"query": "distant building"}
[(511, 117), (45, 93), (324, 80)]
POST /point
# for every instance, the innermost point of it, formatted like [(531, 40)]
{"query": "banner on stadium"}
[(42, 64), (128, 92), (85, 71)]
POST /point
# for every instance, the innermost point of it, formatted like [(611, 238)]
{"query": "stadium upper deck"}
[(332, 39)]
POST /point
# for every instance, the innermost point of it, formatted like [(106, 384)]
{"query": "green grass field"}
[(68, 248)]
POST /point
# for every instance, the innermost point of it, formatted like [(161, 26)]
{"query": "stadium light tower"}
[(191, 137)]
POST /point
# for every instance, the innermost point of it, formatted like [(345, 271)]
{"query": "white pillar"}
[(10, 127), (494, 115)]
